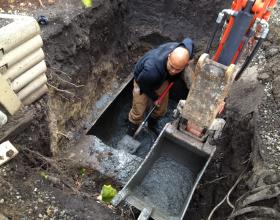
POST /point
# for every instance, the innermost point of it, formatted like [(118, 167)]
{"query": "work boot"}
[(131, 128), (152, 122)]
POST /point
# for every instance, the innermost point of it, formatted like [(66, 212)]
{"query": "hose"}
[(212, 38), (249, 59)]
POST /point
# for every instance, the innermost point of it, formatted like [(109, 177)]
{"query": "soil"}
[(89, 53), (14, 6)]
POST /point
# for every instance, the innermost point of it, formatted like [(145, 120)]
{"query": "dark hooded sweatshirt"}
[(151, 70)]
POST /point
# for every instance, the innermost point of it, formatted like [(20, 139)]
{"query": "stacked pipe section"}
[(22, 64)]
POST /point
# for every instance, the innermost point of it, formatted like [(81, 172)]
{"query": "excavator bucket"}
[(163, 185)]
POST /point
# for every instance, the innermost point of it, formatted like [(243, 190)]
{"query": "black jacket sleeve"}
[(147, 80)]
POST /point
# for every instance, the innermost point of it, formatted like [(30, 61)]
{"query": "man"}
[(152, 74)]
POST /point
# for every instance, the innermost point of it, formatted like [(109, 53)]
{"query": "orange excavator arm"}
[(246, 22)]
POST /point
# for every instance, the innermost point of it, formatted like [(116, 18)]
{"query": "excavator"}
[(245, 28), (163, 185)]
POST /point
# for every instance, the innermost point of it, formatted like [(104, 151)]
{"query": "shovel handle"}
[(159, 100)]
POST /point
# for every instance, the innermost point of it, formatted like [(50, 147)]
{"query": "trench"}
[(105, 43)]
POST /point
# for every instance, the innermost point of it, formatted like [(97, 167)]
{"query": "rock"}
[(51, 2), (3, 217), (263, 76), (276, 88), (272, 52), (266, 130)]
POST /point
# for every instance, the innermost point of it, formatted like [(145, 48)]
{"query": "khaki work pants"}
[(142, 102)]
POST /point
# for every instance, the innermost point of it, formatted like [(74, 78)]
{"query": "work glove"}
[(157, 103)]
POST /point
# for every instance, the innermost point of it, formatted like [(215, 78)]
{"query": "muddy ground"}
[(89, 53)]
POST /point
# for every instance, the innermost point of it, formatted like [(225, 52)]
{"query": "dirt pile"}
[(261, 198), (262, 182)]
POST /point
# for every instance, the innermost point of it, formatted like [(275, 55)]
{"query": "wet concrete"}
[(166, 185), (128, 144), (4, 22), (92, 152)]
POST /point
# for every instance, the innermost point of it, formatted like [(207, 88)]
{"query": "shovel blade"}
[(128, 144)]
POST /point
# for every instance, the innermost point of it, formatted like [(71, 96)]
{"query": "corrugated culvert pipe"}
[(22, 65)]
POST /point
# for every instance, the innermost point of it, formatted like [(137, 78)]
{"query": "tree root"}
[(226, 198), (259, 194), (61, 80), (41, 3), (258, 210), (260, 218), (256, 195)]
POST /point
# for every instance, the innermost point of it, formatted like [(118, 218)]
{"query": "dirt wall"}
[(84, 58)]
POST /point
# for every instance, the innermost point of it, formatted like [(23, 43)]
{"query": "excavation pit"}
[(90, 53)]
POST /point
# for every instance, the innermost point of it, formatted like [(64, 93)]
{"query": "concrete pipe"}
[(36, 95), (24, 65), (32, 87), (3, 119), (8, 98), (28, 76), (21, 51), (22, 29)]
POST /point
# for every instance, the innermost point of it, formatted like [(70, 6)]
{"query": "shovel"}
[(130, 144), (158, 101)]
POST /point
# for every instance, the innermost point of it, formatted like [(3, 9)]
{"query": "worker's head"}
[(177, 60)]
